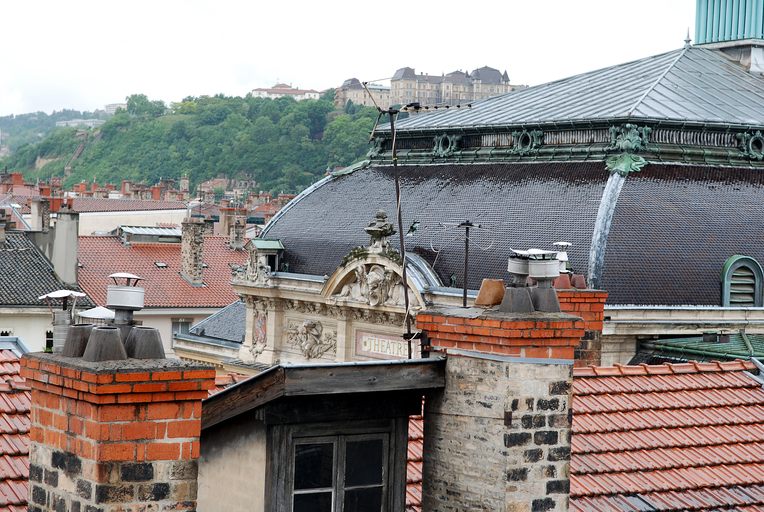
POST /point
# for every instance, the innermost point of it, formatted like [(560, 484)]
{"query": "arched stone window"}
[(742, 278)]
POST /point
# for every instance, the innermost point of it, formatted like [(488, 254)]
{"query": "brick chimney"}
[(590, 306), (191, 255), (114, 436), (498, 436)]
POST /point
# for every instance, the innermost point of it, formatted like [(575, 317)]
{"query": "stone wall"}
[(498, 436), (114, 436)]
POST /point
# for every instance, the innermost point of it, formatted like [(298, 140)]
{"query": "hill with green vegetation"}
[(283, 144), (19, 130)]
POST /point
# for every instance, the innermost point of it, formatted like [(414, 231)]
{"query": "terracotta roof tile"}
[(668, 437), (98, 204), (165, 287), (15, 400), (414, 464)]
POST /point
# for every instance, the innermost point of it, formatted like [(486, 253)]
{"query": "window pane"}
[(363, 500), (313, 502), (363, 462), (313, 465)]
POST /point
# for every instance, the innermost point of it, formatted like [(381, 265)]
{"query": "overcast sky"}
[(84, 54)]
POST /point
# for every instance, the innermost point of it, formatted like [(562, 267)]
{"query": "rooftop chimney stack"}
[(237, 236), (192, 244), (3, 221), (114, 436), (40, 215), (515, 425)]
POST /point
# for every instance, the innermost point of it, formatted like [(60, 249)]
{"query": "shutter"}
[(743, 287)]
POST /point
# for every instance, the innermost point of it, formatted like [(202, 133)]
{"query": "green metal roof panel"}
[(740, 346), (265, 244), (690, 84)]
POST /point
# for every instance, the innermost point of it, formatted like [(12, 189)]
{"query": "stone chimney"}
[(65, 242), (507, 403), (115, 435), (40, 215), (3, 222), (191, 246), (236, 241)]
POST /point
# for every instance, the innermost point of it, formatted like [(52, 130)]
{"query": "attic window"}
[(160, 264), (742, 282)]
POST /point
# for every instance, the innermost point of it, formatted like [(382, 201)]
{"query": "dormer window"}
[(742, 282)]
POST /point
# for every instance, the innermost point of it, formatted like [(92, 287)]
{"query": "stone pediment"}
[(373, 280)]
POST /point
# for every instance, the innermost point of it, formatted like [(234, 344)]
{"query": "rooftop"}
[(667, 437), (98, 204), (101, 256)]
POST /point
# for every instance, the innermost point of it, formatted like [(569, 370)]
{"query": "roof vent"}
[(541, 266), (104, 344), (125, 299)]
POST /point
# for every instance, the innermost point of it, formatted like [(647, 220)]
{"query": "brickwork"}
[(589, 305), (114, 436), (498, 437), (534, 335)]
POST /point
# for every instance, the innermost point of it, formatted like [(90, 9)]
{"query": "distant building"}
[(284, 90), (79, 123), (352, 90), (456, 87), (112, 108)]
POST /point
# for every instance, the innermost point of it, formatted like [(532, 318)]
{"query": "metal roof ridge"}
[(652, 87)]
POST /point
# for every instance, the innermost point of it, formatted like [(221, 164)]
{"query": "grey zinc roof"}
[(688, 85), (228, 324)]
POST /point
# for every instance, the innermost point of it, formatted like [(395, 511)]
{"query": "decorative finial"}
[(687, 39)]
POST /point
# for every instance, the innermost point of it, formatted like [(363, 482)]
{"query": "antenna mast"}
[(393, 113)]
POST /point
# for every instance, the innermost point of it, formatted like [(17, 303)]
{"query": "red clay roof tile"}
[(15, 403), (668, 437), (101, 256)]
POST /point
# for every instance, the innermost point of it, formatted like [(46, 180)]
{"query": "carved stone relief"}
[(310, 338), (374, 285)]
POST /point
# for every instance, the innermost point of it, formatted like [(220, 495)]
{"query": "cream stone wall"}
[(28, 324), (232, 468), (102, 222)]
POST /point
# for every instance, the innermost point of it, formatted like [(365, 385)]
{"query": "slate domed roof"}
[(653, 169)]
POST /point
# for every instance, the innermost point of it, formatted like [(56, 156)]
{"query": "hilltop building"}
[(456, 87), (286, 91), (352, 90)]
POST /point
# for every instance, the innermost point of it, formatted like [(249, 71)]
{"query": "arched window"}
[(742, 278)]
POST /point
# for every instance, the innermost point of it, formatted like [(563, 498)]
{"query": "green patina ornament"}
[(526, 142), (628, 137), (625, 163)]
